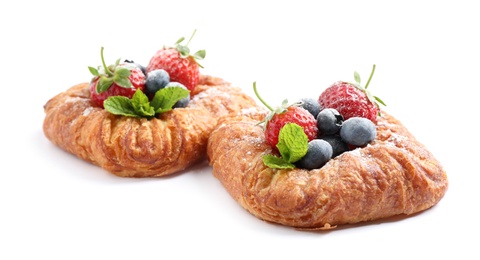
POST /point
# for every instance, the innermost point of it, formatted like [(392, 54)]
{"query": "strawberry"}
[(180, 65), (284, 114), (292, 114), (351, 99), (115, 80)]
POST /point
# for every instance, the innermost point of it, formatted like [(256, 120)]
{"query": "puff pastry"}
[(393, 175), (138, 147)]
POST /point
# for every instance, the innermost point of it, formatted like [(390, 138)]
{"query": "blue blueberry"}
[(311, 105), (141, 67), (358, 131), (319, 152), (329, 121), (182, 102), (156, 80), (338, 145)]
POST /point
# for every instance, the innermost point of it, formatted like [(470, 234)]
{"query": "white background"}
[(55, 206)]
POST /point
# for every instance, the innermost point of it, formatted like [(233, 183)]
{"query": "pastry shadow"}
[(364, 224)]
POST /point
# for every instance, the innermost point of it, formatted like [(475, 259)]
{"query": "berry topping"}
[(351, 99), (114, 80), (311, 105), (319, 152), (290, 129), (179, 63), (156, 80), (292, 146), (358, 131), (284, 114), (338, 145), (329, 121)]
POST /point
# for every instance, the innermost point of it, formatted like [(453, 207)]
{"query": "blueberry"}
[(182, 102), (358, 131), (311, 105), (156, 80), (329, 121), (319, 152), (141, 67), (338, 145)]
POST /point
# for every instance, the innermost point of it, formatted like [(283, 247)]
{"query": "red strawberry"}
[(351, 100), (180, 65), (287, 114), (115, 80), (293, 114)]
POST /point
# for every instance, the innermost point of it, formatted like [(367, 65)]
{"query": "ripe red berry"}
[(293, 114), (115, 80), (137, 79), (351, 100), (181, 66), (284, 114), (182, 70)]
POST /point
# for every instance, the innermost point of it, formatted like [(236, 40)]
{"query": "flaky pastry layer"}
[(394, 175), (138, 147)]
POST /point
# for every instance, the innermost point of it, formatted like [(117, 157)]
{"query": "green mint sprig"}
[(140, 106), (292, 145)]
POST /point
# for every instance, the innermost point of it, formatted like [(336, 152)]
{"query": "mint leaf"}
[(292, 145), (292, 142), (276, 162), (141, 104), (120, 105), (165, 98)]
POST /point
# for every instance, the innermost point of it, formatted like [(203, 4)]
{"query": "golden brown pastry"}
[(393, 175), (138, 147)]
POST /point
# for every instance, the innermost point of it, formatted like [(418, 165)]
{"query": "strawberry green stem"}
[(260, 98), (107, 70), (371, 75), (191, 37)]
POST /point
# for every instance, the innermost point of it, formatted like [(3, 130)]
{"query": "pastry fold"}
[(139, 147), (393, 175)]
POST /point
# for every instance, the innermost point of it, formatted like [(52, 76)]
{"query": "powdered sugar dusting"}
[(87, 111), (249, 111), (210, 93)]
